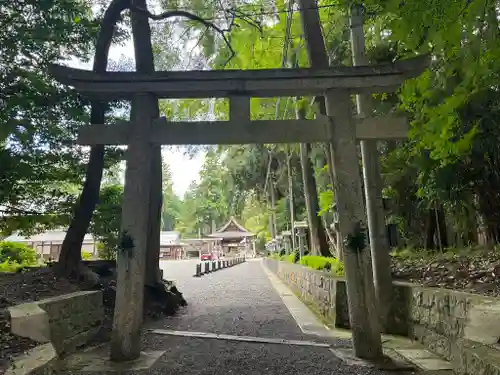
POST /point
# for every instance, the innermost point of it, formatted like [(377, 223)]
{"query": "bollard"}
[(198, 270), (214, 266), (219, 264), (207, 267)]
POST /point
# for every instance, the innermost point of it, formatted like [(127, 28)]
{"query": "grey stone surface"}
[(67, 321), (31, 321), (239, 301), (102, 365), (327, 293), (36, 361), (460, 327)]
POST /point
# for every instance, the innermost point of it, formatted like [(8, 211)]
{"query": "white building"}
[(170, 245), (48, 244)]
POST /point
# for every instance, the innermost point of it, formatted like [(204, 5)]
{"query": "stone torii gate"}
[(339, 127)]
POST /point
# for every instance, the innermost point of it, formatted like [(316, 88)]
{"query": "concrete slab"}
[(482, 321), (102, 364), (389, 363), (402, 353), (261, 340), (424, 359), (36, 359), (399, 342), (31, 321)]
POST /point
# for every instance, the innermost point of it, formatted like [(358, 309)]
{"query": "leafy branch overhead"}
[(192, 17)]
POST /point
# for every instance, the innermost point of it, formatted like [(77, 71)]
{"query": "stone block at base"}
[(389, 363), (36, 361), (103, 365)]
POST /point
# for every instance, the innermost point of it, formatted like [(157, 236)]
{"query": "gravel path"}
[(200, 356), (239, 301)]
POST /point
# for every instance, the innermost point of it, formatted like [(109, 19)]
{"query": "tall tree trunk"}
[(144, 62), (70, 257), (430, 230), (318, 241), (361, 295), (379, 245), (441, 226), (291, 201), (272, 196)]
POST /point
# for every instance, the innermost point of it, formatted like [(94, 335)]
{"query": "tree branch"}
[(192, 17)]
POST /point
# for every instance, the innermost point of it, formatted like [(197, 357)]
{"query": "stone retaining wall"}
[(462, 327), (323, 291), (67, 321)]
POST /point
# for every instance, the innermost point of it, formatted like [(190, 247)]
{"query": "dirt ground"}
[(473, 271), (16, 288), (36, 284)]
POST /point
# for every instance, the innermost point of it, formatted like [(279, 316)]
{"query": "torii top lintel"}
[(249, 83)]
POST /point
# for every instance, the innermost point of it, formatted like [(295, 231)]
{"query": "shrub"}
[(318, 262), (340, 269), (105, 252), (86, 255), (323, 263), (106, 222), (17, 253), (7, 266)]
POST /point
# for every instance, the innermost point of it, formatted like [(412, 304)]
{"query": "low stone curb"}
[(37, 361), (212, 266), (60, 324)]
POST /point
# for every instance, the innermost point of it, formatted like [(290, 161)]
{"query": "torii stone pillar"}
[(287, 236), (131, 256), (300, 227), (364, 322), (279, 243), (339, 127)]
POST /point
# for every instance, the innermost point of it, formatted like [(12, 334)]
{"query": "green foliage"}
[(326, 201), (39, 173), (17, 253), (172, 205), (106, 252), (323, 263), (86, 255), (106, 222)]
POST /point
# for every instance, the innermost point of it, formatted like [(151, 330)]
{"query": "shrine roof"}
[(232, 230), (231, 235)]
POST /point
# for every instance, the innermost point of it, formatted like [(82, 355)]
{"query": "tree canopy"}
[(440, 185)]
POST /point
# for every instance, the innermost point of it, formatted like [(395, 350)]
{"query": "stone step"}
[(425, 360), (404, 352)]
